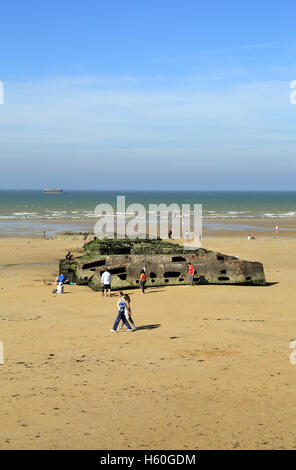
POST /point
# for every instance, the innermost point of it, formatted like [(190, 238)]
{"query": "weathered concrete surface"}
[(166, 264), (74, 236)]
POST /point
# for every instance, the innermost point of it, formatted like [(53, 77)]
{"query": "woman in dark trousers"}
[(120, 316), (128, 312), (143, 280)]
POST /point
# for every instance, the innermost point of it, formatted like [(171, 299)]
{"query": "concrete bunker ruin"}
[(165, 263)]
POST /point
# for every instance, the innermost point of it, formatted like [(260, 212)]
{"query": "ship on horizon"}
[(52, 191)]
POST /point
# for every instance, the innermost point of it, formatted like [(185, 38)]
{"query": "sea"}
[(26, 211)]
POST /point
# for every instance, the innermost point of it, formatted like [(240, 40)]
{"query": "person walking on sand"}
[(106, 283), (191, 273), (121, 305), (128, 312), (143, 279)]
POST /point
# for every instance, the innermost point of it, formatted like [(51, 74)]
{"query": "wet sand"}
[(208, 367), (212, 227)]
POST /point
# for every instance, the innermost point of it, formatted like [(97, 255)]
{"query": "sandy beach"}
[(208, 367)]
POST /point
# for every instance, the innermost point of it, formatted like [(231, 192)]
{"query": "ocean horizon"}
[(80, 204)]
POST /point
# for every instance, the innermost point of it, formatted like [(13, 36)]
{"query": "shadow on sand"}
[(148, 327), (154, 291)]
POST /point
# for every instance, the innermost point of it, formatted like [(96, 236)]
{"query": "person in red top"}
[(191, 273), (143, 280)]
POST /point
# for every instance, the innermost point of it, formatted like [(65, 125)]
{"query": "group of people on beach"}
[(106, 282), (124, 313)]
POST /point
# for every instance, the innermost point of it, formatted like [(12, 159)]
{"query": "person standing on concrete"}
[(143, 279), (106, 283), (191, 273)]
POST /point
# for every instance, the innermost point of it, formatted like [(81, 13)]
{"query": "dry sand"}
[(208, 369)]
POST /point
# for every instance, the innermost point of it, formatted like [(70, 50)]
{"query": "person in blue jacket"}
[(61, 278)]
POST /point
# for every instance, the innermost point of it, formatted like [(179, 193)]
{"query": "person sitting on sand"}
[(121, 305), (69, 255), (61, 279), (127, 312), (60, 288)]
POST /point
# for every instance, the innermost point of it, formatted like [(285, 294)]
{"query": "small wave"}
[(25, 213), (281, 215), (237, 212)]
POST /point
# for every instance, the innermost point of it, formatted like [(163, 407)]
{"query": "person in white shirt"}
[(106, 283)]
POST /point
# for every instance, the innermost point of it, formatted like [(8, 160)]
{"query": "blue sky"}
[(147, 95)]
